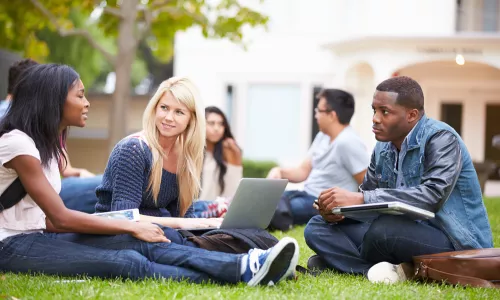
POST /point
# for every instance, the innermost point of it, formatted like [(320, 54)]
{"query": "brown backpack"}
[(477, 268)]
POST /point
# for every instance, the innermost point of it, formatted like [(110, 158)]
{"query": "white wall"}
[(288, 53), (397, 17), (292, 52)]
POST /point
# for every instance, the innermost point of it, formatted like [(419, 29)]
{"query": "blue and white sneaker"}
[(268, 267)]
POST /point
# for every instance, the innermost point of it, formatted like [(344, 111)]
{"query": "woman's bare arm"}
[(61, 218)]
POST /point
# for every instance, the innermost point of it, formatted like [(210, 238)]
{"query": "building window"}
[(315, 127), (478, 15), (229, 103), (272, 130), (452, 115), (490, 15)]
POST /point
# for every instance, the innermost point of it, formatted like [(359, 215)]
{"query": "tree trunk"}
[(127, 46)]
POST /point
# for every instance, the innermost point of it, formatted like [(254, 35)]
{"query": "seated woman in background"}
[(158, 170), (47, 100), (222, 167)]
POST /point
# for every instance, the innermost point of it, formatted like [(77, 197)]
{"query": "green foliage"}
[(19, 24), (326, 286), (76, 51), (257, 169)]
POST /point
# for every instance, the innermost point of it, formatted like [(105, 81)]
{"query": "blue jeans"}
[(79, 193), (175, 237), (353, 247), (301, 205), (71, 254)]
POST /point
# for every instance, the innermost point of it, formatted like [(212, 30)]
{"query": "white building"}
[(351, 44)]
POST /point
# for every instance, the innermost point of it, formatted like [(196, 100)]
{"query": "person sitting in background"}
[(15, 72), (222, 167), (78, 185), (39, 234), (418, 161), (337, 157), (496, 141), (158, 170)]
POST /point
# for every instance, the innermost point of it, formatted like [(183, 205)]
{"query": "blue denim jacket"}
[(438, 175)]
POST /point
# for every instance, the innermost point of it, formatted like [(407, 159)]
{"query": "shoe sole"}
[(293, 263), (282, 256)]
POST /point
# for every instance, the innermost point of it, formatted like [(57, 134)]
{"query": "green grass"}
[(326, 286)]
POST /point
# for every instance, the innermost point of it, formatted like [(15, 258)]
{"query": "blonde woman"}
[(158, 170)]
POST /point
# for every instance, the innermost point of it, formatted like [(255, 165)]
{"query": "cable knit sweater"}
[(125, 181)]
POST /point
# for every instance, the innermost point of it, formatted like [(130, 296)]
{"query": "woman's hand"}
[(231, 152), (188, 223), (149, 232)]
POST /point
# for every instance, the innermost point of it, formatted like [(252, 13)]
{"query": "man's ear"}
[(333, 114), (412, 115)]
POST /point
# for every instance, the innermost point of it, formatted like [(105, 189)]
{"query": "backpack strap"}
[(14, 193)]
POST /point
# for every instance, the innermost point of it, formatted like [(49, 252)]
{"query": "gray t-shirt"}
[(335, 163)]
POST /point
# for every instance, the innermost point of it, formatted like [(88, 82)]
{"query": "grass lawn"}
[(326, 286)]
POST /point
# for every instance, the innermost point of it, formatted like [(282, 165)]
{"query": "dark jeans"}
[(79, 193), (175, 237), (301, 205), (353, 247), (70, 254)]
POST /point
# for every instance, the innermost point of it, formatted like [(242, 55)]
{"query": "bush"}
[(257, 169)]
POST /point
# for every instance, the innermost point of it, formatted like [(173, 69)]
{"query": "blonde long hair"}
[(191, 141)]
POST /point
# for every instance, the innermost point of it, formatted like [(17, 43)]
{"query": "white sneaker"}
[(388, 273)]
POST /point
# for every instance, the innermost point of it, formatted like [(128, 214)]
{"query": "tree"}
[(129, 22)]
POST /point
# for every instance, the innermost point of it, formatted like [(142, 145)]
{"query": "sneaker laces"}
[(253, 260)]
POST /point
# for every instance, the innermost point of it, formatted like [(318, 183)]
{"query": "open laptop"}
[(253, 204), (374, 209)]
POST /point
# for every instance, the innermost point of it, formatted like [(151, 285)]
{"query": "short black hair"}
[(15, 71), (341, 102), (37, 107), (410, 94)]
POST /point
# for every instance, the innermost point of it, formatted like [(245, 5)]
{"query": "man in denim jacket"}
[(418, 161)]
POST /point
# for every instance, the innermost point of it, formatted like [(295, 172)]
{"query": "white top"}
[(210, 188), (334, 163), (26, 216)]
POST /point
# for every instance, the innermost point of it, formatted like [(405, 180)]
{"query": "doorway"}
[(492, 128)]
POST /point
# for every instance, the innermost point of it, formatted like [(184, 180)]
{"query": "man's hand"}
[(275, 173), (335, 197), (328, 215), (84, 173)]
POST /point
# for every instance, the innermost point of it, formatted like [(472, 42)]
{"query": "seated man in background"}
[(78, 188), (418, 161), (78, 185), (15, 71), (337, 157)]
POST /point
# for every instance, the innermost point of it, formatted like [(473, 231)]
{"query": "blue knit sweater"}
[(125, 181)]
